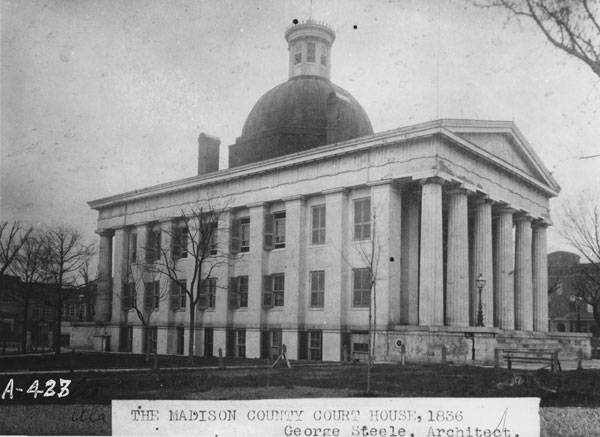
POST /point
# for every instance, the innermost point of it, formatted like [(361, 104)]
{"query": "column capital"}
[(482, 199), (504, 208), (105, 232), (433, 180), (457, 189), (522, 217), (540, 223)]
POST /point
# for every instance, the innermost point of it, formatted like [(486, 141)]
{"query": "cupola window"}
[(310, 52), (298, 58)]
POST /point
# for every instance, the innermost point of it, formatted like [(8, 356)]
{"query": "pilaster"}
[(409, 277), (386, 210)]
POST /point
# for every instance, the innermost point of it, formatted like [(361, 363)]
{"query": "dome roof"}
[(301, 103), (302, 113)]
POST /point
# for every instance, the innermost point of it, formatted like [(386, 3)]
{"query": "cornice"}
[(383, 139)]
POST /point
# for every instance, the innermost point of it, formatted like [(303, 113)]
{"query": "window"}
[(238, 292), (362, 219), (318, 224), (213, 238), (240, 235), (152, 339), (298, 58), (153, 244), (310, 52), (151, 295), (270, 343), (362, 288), (273, 290), (315, 345), (275, 230), (317, 289), (212, 292), (240, 343), (180, 340), (324, 60), (132, 245), (178, 295), (180, 241), (126, 339), (128, 297), (208, 294), (310, 345)]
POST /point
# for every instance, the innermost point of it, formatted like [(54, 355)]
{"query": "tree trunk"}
[(58, 328), (596, 312), (147, 342), (25, 323), (192, 332)]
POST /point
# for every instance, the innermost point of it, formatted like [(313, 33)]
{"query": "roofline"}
[(420, 130)]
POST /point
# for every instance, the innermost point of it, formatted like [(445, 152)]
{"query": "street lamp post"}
[(577, 300), (480, 282)]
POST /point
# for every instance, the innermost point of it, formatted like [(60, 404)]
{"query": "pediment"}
[(503, 148), (502, 142)]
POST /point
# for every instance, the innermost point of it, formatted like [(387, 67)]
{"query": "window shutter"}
[(125, 305), (233, 293), (174, 296), (230, 344), (302, 345), (235, 236), (268, 292), (269, 232), (148, 295)]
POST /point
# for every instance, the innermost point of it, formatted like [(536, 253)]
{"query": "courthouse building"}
[(309, 192)]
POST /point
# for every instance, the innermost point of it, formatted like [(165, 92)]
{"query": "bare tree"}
[(12, 238), (139, 279), (195, 238), (370, 255), (573, 26), (64, 254), (29, 266), (580, 226)]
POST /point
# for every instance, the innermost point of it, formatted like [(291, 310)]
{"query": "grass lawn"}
[(570, 400), (567, 389)]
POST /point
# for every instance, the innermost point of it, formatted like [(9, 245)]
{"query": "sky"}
[(98, 97)]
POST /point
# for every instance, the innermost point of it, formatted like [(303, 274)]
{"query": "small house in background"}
[(567, 311), (36, 333)]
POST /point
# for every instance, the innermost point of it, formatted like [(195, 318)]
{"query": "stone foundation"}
[(438, 344)]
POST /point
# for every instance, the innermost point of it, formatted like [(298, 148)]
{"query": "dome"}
[(302, 113), (306, 111)]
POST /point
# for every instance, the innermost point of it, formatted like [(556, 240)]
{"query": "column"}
[(523, 275), (503, 275), (457, 266), (386, 211), (482, 262), (409, 298), (104, 294), (540, 277), (255, 278), (431, 290)]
